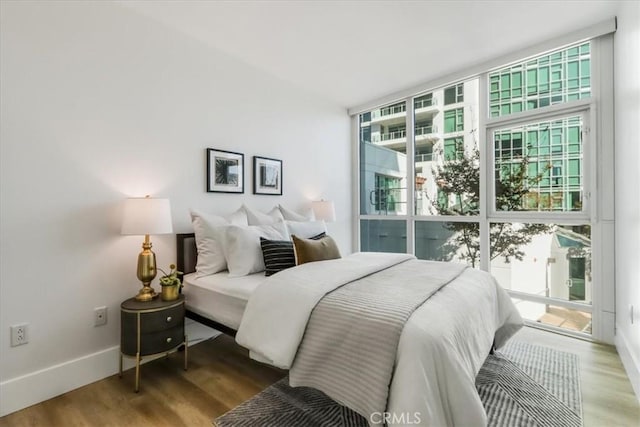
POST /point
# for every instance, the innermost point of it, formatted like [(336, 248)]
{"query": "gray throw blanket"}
[(350, 344)]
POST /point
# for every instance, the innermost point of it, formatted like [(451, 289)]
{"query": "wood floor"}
[(221, 376)]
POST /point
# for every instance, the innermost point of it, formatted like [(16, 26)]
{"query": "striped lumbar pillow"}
[(278, 254)]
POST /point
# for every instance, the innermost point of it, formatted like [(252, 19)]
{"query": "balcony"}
[(421, 158), (399, 134), (390, 115), (394, 140), (391, 110), (395, 114), (425, 107), (397, 139), (427, 133)]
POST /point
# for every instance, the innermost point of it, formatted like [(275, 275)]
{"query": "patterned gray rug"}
[(520, 385)]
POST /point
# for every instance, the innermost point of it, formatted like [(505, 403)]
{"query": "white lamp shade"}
[(146, 216), (324, 210)]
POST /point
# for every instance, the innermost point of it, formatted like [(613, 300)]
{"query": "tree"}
[(458, 182)]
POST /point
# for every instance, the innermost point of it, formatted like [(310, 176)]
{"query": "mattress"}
[(219, 297)]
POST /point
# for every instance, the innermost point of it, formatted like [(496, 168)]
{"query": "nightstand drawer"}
[(157, 342), (162, 320), (151, 327)]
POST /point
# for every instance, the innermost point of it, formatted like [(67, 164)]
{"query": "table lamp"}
[(144, 216), (324, 210)]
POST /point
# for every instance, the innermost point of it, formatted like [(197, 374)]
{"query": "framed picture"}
[(267, 176), (225, 171)]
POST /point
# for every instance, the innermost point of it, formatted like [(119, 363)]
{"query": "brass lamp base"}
[(146, 271), (146, 293)]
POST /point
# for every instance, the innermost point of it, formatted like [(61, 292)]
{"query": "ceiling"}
[(351, 52)]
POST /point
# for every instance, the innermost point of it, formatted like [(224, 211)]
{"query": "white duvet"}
[(441, 349)]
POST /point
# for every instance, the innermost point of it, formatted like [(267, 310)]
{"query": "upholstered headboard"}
[(186, 252)]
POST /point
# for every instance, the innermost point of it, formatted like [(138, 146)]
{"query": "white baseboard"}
[(629, 361), (35, 387), (18, 393)]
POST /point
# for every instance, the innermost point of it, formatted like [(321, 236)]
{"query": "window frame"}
[(458, 94), (458, 120), (598, 110), (582, 108)]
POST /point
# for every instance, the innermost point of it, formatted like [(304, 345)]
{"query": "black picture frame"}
[(225, 171), (267, 176)]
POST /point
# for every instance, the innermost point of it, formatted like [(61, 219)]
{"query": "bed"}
[(217, 300), (439, 350)]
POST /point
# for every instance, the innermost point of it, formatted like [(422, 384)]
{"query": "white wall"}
[(100, 103), (627, 110)]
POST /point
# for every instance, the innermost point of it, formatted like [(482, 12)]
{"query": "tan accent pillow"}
[(308, 250)]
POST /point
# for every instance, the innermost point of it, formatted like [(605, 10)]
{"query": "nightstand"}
[(149, 328)]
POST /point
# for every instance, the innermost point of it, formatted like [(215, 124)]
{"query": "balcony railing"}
[(390, 110), (427, 157), (401, 108), (393, 135), (424, 103), (399, 134), (424, 130)]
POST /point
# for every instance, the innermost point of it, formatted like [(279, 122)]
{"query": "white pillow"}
[(242, 246), (209, 233), (290, 215), (259, 218), (238, 217), (306, 230)]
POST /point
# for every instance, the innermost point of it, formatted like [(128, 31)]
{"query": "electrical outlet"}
[(99, 316), (19, 334)]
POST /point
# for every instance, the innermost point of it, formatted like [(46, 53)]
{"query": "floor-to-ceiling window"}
[(383, 178), (539, 213), (497, 171), (446, 222)]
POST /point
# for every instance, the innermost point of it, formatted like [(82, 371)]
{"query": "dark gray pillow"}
[(278, 254)]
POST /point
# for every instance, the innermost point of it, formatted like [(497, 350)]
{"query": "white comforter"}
[(441, 349)]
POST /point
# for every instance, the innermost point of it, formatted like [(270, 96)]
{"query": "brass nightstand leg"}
[(186, 351), (137, 372)]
